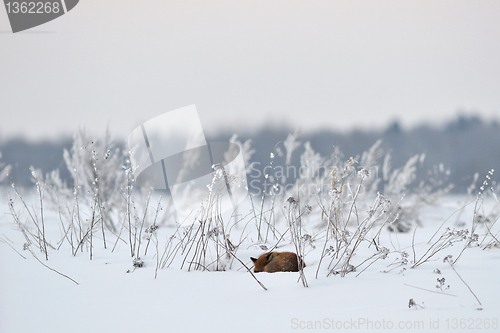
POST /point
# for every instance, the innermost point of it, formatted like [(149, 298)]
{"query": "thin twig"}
[(67, 277), (448, 260), (5, 242), (431, 291)]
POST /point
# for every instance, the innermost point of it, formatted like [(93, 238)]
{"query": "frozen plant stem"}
[(138, 238), (42, 221), (129, 194), (431, 291), (448, 238), (243, 264), (475, 219), (353, 204), (324, 248), (449, 261), (53, 270), (28, 243), (259, 227), (295, 226), (152, 228), (7, 243), (93, 222), (41, 240)]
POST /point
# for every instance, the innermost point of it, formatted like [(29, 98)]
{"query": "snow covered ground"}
[(112, 296)]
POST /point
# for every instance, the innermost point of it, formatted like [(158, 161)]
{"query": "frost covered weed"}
[(99, 201), (342, 204), (268, 179), (204, 244), (399, 262), (95, 166), (348, 242), (93, 202), (34, 227), (209, 246), (36, 239), (447, 239), (481, 219), (293, 214), (342, 189)]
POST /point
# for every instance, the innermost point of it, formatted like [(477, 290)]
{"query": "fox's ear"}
[(253, 259), (269, 256)]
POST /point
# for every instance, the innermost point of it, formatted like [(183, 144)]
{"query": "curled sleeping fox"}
[(277, 262)]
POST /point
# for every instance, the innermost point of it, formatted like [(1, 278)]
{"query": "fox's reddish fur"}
[(277, 262)]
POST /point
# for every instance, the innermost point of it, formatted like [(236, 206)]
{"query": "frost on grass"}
[(98, 176), (331, 209)]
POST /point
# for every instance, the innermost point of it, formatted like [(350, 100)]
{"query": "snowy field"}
[(113, 296), (386, 249)]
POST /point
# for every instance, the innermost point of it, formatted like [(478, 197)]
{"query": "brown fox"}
[(277, 262)]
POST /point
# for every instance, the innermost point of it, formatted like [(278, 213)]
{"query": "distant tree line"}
[(466, 145)]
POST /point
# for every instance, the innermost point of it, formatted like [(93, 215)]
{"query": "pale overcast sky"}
[(309, 63)]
